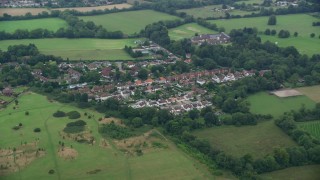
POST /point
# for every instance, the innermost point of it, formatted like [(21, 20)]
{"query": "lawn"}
[(263, 103), (188, 31), (303, 42), (258, 140), (128, 22), (310, 172), (313, 92), (79, 49), (108, 161), (312, 127), (52, 24)]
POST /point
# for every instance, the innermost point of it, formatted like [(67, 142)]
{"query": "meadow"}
[(128, 22), (52, 24), (264, 103), (310, 172), (312, 127), (92, 161), (79, 49), (188, 31), (258, 140), (313, 92), (304, 43)]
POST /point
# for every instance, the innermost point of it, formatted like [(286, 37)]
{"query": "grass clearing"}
[(310, 172), (21, 11), (52, 24), (87, 9), (312, 127), (188, 31), (313, 92), (128, 22), (256, 140), (79, 49), (264, 103)]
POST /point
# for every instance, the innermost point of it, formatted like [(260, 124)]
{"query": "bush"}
[(59, 114), (36, 130), (26, 113), (74, 115), (51, 171), (75, 127), (114, 131)]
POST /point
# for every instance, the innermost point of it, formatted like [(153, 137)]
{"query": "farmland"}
[(188, 31), (257, 140), (312, 92), (303, 42), (310, 172), (263, 103), (21, 11), (312, 127), (87, 9), (78, 49), (112, 163), (121, 21), (52, 24)]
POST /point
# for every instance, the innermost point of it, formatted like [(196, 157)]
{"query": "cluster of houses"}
[(214, 39), (22, 3), (286, 3)]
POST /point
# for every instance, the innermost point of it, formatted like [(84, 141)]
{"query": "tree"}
[(273, 32), (272, 20), (210, 119), (194, 114), (136, 122), (267, 32), (312, 35), (281, 156), (295, 34), (143, 74)]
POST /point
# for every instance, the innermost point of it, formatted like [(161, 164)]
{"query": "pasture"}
[(101, 159), (128, 22), (79, 49), (312, 127), (188, 31), (21, 11), (264, 103), (310, 172), (52, 24), (313, 92), (87, 9), (303, 42), (258, 140)]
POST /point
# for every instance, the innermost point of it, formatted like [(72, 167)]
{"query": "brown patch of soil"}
[(67, 153), (110, 120)]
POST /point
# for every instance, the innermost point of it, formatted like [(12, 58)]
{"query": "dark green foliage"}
[(132, 53), (143, 74), (272, 20), (284, 34), (51, 171), (59, 114), (73, 115), (75, 127), (36, 130), (114, 131)]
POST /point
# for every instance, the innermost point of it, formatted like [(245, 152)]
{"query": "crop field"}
[(303, 42), (257, 140), (79, 49), (310, 172), (128, 22), (21, 11), (52, 24), (312, 127), (86, 9), (313, 92), (101, 159), (188, 31), (264, 103)]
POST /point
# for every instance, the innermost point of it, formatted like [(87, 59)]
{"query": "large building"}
[(221, 38)]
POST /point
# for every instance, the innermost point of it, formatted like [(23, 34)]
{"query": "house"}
[(7, 91), (201, 81), (213, 39), (148, 81), (106, 72)]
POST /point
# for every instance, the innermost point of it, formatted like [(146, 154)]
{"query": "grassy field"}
[(52, 24), (128, 22), (92, 161), (303, 42), (263, 103), (312, 127), (313, 92), (257, 140), (86, 9), (79, 49), (188, 31), (310, 172), (21, 11), (250, 2)]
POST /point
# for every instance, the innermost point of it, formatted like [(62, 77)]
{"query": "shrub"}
[(73, 115), (26, 113), (51, 171), (75, 127), (59, 114), (114, 131), (36, 130)]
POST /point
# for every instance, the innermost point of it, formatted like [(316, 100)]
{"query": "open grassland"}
[(188, 31), (128, 22), (87, 9), (310, 172), (207, 11), (21, 11), (256, 140), (52, 24), (264, 103), (250, 2), (79, 49), (313, 92), (312, 127), (92, 161), (303, 42)]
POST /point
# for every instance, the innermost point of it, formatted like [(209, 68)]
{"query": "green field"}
[(303, 42), (79, 49), (257, 140), (263, 103), (188, 31), (128, 22), (313, 92), (312, 127), (111, 163), (310, 172), (52, 24), (250, 2)]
